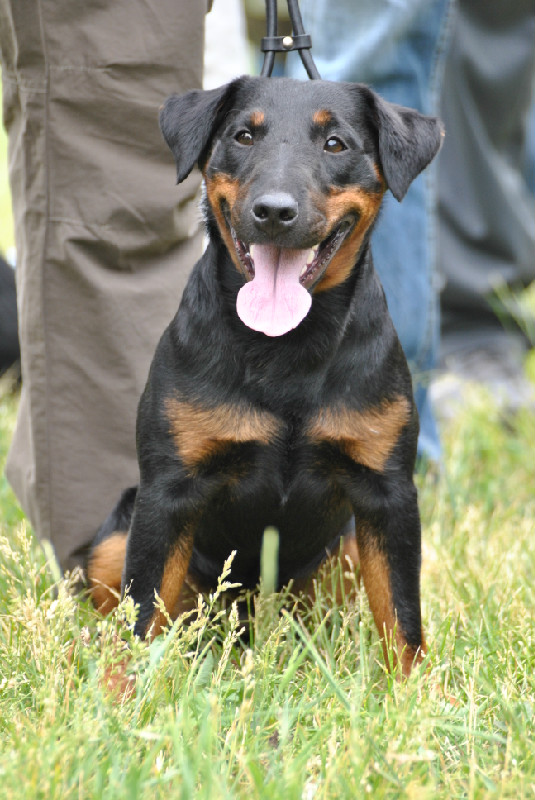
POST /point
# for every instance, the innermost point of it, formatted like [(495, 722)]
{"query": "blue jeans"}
[(398, 48)]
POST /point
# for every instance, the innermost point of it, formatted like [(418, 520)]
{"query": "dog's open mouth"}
[(277, 296)]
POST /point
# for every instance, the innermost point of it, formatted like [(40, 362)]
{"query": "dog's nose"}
[(275, 213)]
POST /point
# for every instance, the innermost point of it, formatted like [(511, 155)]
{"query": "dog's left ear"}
[(189, 121), (407, 140)]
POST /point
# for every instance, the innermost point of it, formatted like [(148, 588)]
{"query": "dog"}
[(9, 339), (279, 395)]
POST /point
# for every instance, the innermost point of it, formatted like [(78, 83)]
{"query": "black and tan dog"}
[(279, 394)]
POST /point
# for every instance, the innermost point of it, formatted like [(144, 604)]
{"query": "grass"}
[(306, 710)]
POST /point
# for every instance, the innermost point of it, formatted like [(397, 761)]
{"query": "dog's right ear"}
[(188, 122)]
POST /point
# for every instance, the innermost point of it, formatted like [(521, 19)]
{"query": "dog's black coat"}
[(274, 455), (9, 340)]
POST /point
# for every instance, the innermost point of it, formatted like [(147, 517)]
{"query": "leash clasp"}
[(299, 40), (284, 44)]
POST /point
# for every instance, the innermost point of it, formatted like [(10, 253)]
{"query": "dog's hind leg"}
[(107, 555)]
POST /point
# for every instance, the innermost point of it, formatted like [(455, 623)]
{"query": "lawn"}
[(306, 709)]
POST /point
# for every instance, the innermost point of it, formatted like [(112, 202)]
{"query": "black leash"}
[(299, 40)]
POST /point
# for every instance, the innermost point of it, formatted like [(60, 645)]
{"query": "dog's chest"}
[(241, 439), (266, 468)]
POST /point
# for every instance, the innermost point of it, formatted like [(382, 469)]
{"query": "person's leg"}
[(399, 50), (486, 228), (105, 240)]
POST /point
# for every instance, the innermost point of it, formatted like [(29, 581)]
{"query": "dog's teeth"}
[(311, 255), (303, 271), (252, 249)]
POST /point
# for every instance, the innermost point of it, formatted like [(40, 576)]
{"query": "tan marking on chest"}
[(199, 433), (368, 437)]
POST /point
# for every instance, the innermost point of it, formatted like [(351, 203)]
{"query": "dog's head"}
[(295, 173)]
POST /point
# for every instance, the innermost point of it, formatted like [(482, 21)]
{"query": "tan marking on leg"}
[(368, 437), (199, 433), (375, 573), (188, 598), (322, 117), (116, 681), (350, 560), (340, 203), (338, 576), (104, 572), (174, 574)]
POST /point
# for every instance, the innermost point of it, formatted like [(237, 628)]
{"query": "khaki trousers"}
[(105, 240)]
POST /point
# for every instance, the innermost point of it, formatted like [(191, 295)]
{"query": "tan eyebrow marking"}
[(322, 117), (257, 118)]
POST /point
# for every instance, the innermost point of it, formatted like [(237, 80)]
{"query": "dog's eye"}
[(334, 145), (244, 137)]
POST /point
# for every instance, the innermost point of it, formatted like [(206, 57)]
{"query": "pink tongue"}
[(274, 302)]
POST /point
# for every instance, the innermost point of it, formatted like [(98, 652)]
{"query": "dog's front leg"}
[(389, 545), (158, 553)]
